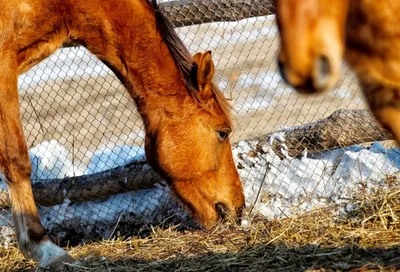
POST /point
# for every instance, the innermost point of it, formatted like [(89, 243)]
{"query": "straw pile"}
[(366, 238)]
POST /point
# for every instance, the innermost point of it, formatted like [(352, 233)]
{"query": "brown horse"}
[(317, 34), (186, 117)]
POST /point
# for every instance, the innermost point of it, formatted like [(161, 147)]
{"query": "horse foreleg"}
[(15, 165), (384, 102)]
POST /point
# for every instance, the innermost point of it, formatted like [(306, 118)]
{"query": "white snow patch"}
[(111, 157), (51, 160), (293, 186)]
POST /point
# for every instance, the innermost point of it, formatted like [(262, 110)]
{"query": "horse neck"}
[(372, 40), (124, 36), (372, 25)]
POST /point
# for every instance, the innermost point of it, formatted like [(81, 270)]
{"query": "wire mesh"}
[(79, 120)]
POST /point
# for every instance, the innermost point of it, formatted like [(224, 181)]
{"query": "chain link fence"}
[(79, 121)]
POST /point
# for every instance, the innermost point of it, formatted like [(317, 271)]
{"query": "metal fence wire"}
[(79, 120)]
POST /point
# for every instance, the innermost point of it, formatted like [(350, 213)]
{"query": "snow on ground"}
[(94, 219), (294, 186), (276, 188), (50, 160), (111, 157)]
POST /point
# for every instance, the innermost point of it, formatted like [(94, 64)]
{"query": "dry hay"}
[(366, 239)]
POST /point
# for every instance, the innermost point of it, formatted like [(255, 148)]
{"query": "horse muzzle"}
[(318, 78), (229, 215)]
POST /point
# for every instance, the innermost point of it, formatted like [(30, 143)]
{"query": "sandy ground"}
[(76, 100)]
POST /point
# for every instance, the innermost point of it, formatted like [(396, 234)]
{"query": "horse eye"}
[(223, 135)]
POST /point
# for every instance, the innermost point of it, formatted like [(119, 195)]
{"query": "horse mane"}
[(185, 63)]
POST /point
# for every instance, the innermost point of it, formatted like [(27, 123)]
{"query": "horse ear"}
[(205, 73), (197, 58)]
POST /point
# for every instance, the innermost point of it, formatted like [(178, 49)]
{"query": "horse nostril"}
[(324, 65), (322, 72), (281, 68), (239, 214), (222, 210)]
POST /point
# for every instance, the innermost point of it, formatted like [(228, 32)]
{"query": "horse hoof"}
[(59, 263), (52, 256)]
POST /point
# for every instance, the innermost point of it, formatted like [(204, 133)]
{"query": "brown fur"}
[(370, 43), (183, 111), (324, 25)]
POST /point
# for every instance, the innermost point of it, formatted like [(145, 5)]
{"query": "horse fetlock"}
[(32, 239), (46, 253)]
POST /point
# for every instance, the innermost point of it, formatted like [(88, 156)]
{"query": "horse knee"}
[(16, 166)]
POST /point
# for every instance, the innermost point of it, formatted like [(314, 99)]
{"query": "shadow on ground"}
[(259, 258)]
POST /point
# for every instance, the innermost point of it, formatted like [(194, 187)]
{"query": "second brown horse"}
[(316, 35)]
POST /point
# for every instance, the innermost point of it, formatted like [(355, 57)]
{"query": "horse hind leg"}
[(15, 165)]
